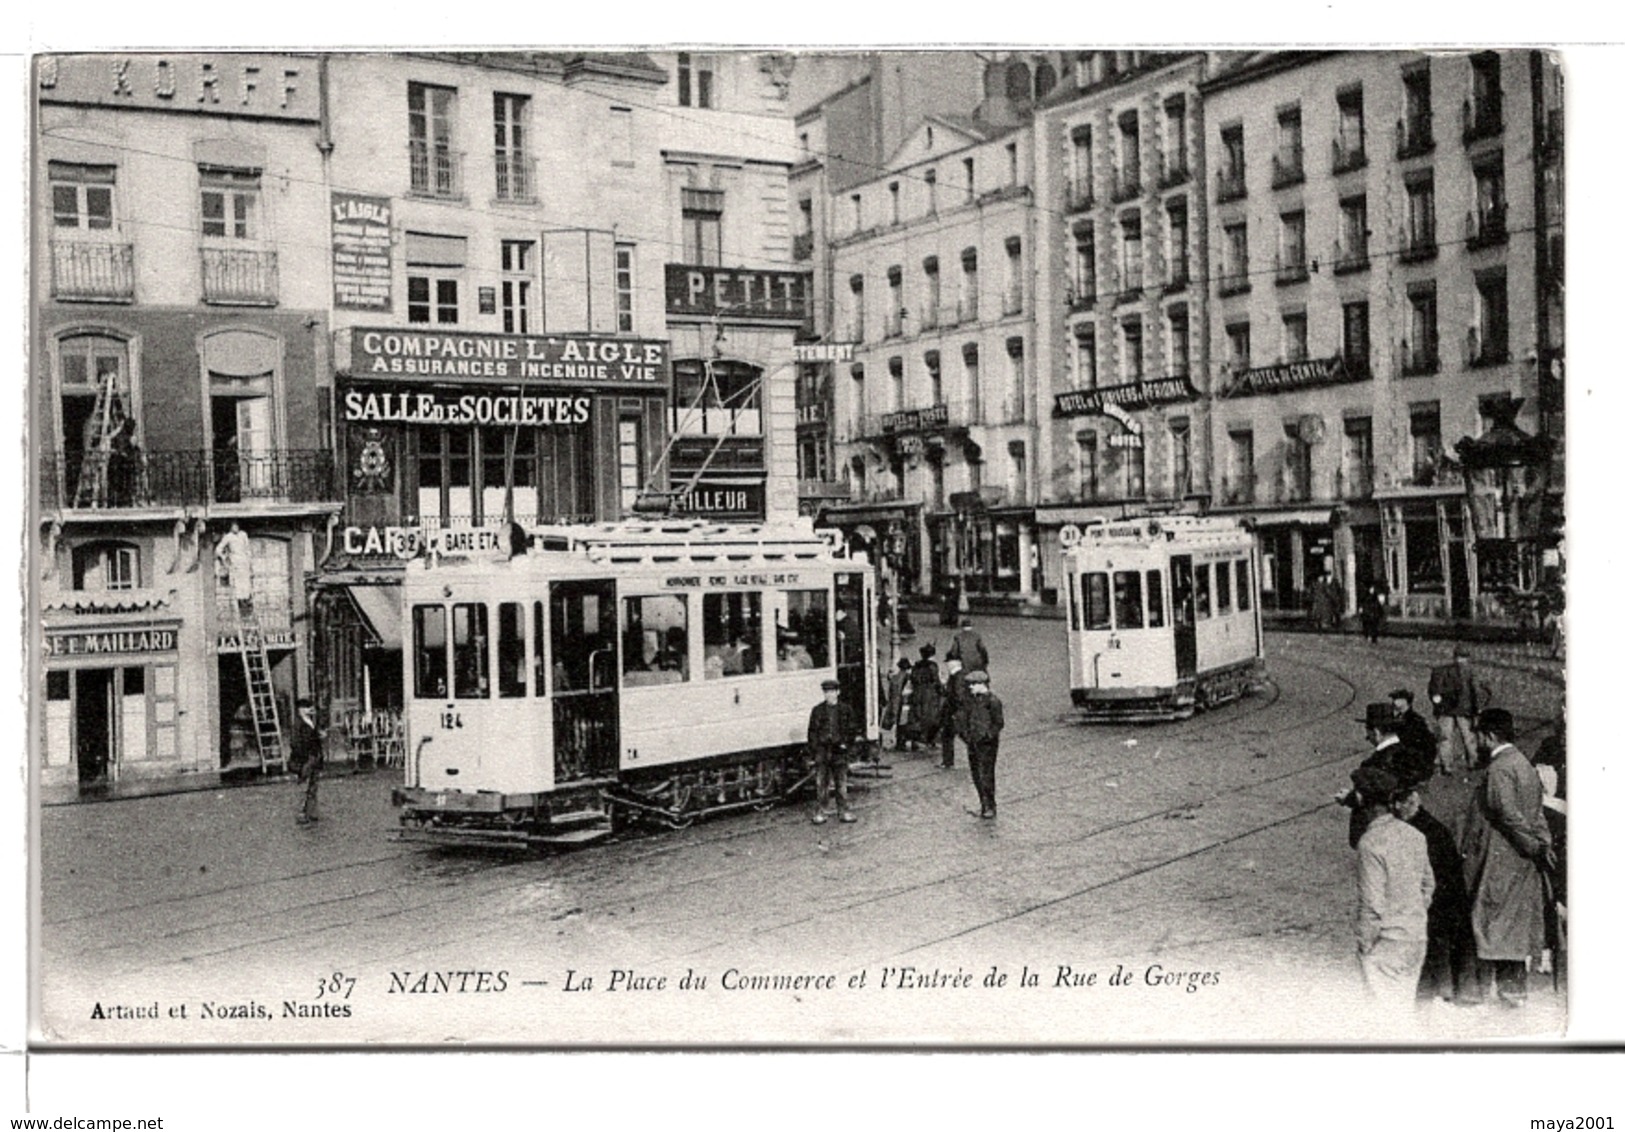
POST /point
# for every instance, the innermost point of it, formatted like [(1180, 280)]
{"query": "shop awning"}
[(380, 608)]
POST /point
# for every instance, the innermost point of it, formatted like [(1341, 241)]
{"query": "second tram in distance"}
[(1162, 616)]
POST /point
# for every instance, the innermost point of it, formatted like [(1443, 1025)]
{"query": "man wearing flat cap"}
[(1505, 848), (830, 730), (1409, 767), (1395, 888), (1457, 695), (982, 721)]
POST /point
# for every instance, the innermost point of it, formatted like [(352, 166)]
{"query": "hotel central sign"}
[(1293, 375)]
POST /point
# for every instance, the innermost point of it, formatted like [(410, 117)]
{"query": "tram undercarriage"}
[(1151, 705)]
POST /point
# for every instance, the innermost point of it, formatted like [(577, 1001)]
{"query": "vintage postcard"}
[(1042, 547)]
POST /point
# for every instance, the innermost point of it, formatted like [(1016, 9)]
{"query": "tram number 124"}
[(451, 719)]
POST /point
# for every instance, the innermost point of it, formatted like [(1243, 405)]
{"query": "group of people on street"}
[(1462, 919), (923, 710)]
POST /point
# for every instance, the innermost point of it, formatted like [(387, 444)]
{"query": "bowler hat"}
[(831, 685), (306, 701), (1498, 720), (927, 651), (1378, 785), (1402, 694), (1381, 716), (977, 677)]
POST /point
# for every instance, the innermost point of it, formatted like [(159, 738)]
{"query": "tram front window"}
[(1097, 608), (733, 634), (1126, 596), (510, 650), (655, 648), (803, 639), (470, 638), (1153, 599), (1221, 585), (429, 651), (1244, 586)]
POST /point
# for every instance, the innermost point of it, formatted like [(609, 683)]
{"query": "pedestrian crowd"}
[(1458, 918)]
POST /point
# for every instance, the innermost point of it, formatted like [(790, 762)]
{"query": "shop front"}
[(1301, 552)]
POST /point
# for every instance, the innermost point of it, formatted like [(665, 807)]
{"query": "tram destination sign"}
[(1135, 395), (582, 361)]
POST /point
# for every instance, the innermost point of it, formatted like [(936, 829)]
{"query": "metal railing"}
[(516, 177), (1419, 244), (1230, 184), (243, 276), (1480, 118), (185, 478), (1287, 167), (1484, 227), (92, 272), (1290, 271), (1347, 260), (436, 170), (1080, 195), (1348, 155), (1234, 282), (1418, 360), (1413, 136)]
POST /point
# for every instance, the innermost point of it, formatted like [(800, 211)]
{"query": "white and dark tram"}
[(1162, 616), (656, 671)]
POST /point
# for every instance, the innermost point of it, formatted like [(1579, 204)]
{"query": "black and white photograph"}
[(1047, 547)]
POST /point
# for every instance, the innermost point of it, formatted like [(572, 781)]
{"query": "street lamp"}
[(1506, 471)]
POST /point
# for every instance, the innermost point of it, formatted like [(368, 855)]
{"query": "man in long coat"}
[(1504, 846), (830, 730), (982, 721), (968, 648), (1458, 695)]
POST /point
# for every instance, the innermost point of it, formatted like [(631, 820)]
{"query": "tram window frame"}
[(1202, 589), (1074, 597), (639, 670), (511, 658), (427, 682), (1223, 606), (1096, 587), (478, 646), (1155, 613), (815, 645), (572, 669), (1244, 589), (538, 660), (1129, 614), (722, 614)]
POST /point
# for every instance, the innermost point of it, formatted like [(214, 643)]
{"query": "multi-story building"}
[(180, 389), (1120, 357), (1380, 282)]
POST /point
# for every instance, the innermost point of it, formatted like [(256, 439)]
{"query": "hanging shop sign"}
[(737, 294), (361, 252), (1136, 395), (535, 410), (733, 499), (229, 641), (410, 542), (915, 420), (110, 642), (553, 359), (1293, 375), (823, 351)]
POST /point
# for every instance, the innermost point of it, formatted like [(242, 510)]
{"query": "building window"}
[(728, 404), (933, 373), (969, 166), (1134, 472), (1016, 350), (1358, 458), (855, 327), (1081, 190), (1416, 127), (1179, 240), (1088, 467), (696, 80), (969, 298), (973, 380), (434, 269), (1174, 168), (1132, 252), (1427, 443), (702, 227), (1487, 223), (1288, 161), (1179, 451), (857, 212), (630, 450), (933, 293), (894, 192), (231, 203), (106, 566), (1295, 336), (1232, 182), (1239, 335), (1083, 269), (1296, 463), (1424, 566), (1240, 487), (1482, 112), (82, 196), (894, 301), (1419, 232), (1292, 264), (899, 390), (1084, 370), (1348, 147), (1012, 164), (431, 118), (1235, 278), (1420, 348), (510, 117), (1128, 154), (623, 287), (1133, 341), (1487, 337), (1179, 342), (1013, 297), (931, 192), (860, 401), (517, 274), (1351, 253), (1357, 336), (88, 365)]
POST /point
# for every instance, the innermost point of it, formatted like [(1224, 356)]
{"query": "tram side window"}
[(655, 648), (733, 634), (1221, 584), (1204, 592), (803, 639), (1244, 588), (538, 670), (1153, 599), (429, 651), (849, 619), (581, 628), (510, 650), (470, 644), (1097, 609), (1126, 596)]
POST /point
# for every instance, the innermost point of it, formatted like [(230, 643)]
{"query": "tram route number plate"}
[(451, 719)]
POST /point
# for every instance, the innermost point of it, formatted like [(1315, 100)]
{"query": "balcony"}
[(92, 272), (1479, 352), (1080, 297), (1080, 195), (1125, 184), (1480, 118), (1229, 185), (1413, 136), (1485, 228), (1351, 259), (1420, 360), (801, 247), (1286, 168), (1418, 245), (516, 178), (239, 277), (1348, 154), (1290, 271), (185, 479), (1234, 283), (1175, 171), (436, 172)]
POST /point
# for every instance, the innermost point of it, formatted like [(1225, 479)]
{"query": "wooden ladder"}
[(261, 694)]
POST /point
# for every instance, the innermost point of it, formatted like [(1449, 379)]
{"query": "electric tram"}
[(597, 675), (1162, 616)]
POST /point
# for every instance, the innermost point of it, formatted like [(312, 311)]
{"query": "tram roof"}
[(1190, 530)]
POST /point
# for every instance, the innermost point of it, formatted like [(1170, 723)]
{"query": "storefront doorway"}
[(95, 725)]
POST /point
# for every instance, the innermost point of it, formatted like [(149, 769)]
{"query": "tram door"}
[(1184, 617), (852, 641), (586, 666)]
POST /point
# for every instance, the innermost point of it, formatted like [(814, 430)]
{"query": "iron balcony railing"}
[(1348, 154), (1125, 183), (436, 170), (1479, 350), (1350, 258), (1287, 167), (1480, 118), (84, 271), (516, 177), (1289, 270), (1485, 227), (1418, 360), (1175, 171), (1234, 282), (239, 276), (1080, 195), (1413, 136), (1419, 243), (1230, 184), (191, 478)]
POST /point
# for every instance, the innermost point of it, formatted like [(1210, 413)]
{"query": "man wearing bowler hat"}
[(1395, 886), (1409, 767), (1414, 731), (982, 721), (307, 744), (830, 730)]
